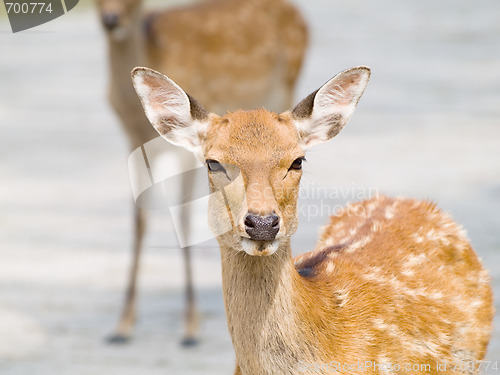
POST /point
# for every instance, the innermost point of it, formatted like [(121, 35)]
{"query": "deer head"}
[(119, 17), (254, 158)]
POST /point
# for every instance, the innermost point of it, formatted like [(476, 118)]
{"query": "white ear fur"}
[(175, 115), (322, 115)]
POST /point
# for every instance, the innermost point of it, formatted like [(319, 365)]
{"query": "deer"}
[(393, 283), (229, 53)]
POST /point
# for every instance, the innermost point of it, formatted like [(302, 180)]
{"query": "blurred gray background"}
[(428, 126)]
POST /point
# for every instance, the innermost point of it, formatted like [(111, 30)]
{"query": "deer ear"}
[(176, 116), (324, 113)]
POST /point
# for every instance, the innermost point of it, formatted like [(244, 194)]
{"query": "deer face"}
[(254, 158), (118, 17), (254, 163)]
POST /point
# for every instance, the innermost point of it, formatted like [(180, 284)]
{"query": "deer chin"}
[(119, 34), (259, 248)]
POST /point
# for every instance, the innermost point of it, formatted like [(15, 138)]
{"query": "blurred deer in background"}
[(228, 53), (392, 282)]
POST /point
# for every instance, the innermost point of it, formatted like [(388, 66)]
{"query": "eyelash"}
[(214, 166), (297, 164)]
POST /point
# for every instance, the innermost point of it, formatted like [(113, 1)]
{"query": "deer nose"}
[(262, 228), (110, 20)]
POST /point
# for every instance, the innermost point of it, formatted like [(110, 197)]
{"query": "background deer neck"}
[(126, 54)]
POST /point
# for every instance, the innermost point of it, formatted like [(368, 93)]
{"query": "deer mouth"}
[(259, 248)]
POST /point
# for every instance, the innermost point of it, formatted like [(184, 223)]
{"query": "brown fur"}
[(379, 317), (228, 53), (249, 53), (367, 298), (392, 282)]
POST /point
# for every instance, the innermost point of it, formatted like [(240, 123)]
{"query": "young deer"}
[(392, 282), (229, 53)]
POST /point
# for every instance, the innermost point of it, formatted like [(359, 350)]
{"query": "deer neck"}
[(260, 296), (124, 55)]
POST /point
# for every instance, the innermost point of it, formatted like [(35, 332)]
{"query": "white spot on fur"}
[(414, 260), (385, 364), (484, 277), (379, 324), (359, 244), (432, 295), (389, 328), (337, 227), (390, 211), (330, 267), (376, 226), (424, 348), (352, 233), (417, 238), (408, 273), (463, 234), (373, 274), (371, 207), (460, 303), (476, 303), (355, 229), (440, 236), (420, 347), (342, 296)]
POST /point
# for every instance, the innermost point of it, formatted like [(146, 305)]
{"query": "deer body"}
[(229, 53), (352, 301), (391, 282), (250, 55)]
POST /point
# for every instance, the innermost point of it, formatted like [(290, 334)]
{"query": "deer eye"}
[(297, 164), (214, 166)]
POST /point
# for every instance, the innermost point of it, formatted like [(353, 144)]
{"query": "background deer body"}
[(230, 53), (392, 281)]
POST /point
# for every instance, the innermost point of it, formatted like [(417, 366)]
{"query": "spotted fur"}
[(418, 287), (391, 281)]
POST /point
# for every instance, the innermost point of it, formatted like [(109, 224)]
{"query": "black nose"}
[(110, 20), (262, 228)]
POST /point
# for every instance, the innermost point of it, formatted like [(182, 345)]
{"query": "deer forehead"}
[(253, 140)]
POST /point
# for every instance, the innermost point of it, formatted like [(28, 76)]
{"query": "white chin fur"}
[(259, 248), (119, 34)]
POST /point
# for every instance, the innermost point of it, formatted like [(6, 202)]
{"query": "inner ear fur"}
[(175, 115), (322, 114)]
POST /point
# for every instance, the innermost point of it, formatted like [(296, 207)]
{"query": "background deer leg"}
[(128, 316), (190, 313)]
